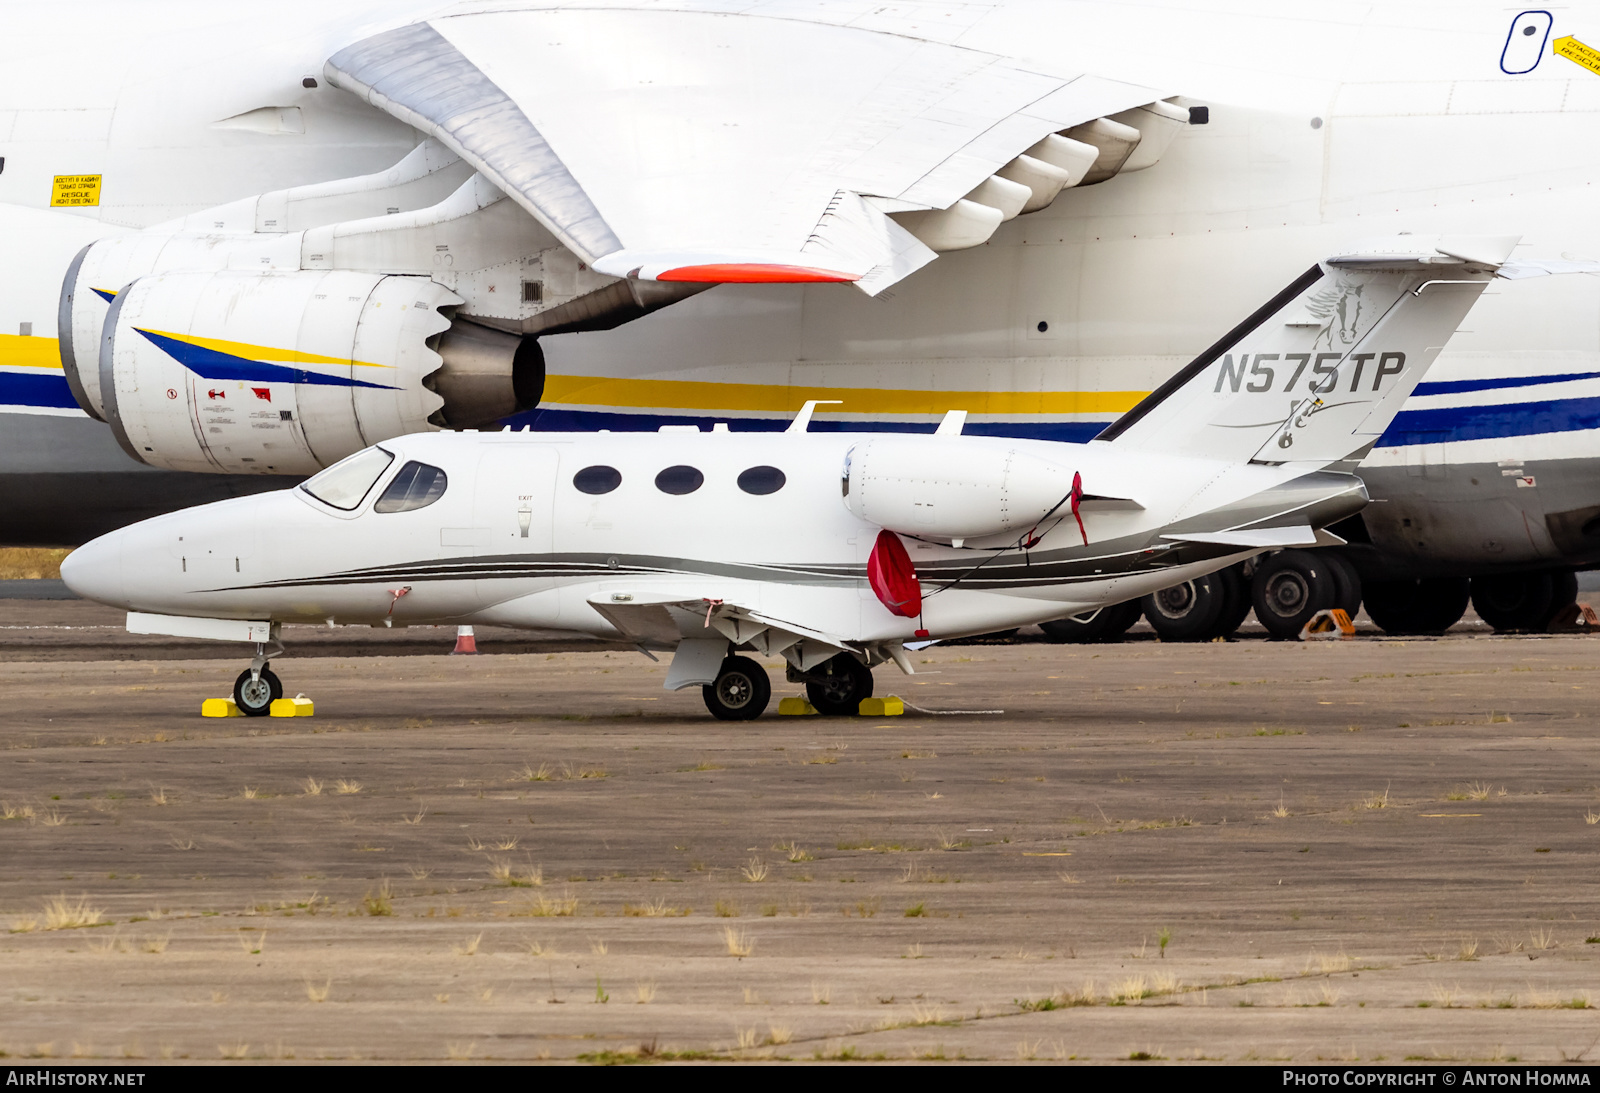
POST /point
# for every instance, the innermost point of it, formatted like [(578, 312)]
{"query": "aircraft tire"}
[(837, 686), (1288, 589), (740, 692), (1346, 584), (1236, 606), (1515, 601), (1566, 592), (251, 697), (1427, 606), (1106, 624), (1187, 611)]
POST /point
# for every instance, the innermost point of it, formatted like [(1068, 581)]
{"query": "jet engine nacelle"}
[(285, 372), (947, 488)]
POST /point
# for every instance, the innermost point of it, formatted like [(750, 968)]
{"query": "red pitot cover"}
[(893, 577)]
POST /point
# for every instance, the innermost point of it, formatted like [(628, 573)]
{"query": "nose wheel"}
[(254, 692)]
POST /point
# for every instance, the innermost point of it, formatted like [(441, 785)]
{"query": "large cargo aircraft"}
[(1035, 212)]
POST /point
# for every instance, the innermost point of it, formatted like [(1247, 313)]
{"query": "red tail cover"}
[(893, 577)]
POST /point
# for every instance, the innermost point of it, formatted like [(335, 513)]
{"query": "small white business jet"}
[(834, 550)]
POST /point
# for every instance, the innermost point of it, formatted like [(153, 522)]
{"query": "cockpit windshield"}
[(346, 484)]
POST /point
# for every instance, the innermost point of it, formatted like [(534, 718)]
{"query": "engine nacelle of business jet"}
[(948, 488), (287, 372)]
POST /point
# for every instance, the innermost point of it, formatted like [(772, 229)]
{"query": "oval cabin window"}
[(679, 480), (597, 479), (417, 486), (762, 480)]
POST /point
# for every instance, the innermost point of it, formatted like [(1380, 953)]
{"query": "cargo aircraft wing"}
[(767, 144)]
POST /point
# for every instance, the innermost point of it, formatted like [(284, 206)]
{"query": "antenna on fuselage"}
[(802, 420)]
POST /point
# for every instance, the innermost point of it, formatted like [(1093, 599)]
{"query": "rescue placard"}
[(1575, 51), (75, 190)]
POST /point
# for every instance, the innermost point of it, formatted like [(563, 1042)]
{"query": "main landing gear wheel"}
[(1236, 604), (1429, 606), (740, 692), (1288, 589), (836, 687), (1107, 624), (1346, 584), (1188, 611), (255, 697), (1523, 601)]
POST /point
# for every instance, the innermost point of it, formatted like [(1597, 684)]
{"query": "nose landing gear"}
[(257, 686)]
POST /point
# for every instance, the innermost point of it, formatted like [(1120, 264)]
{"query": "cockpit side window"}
[(346, 484), (417, 486)]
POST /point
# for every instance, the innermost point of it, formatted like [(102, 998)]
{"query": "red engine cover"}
[(893, 577)]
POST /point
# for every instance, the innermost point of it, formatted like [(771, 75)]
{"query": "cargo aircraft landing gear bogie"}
[(254, 692), (1523, 601), (837, 687), (1431, 605), (1106, 624), (740, 692)]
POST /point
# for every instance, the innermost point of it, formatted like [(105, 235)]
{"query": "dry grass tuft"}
[(794, 852), (779, 1034), (645, 992), (156, 945), (725, 909), (1468, 949), (1378, 800), (821, 993), (315, 993), (311, 787), (739, 943), (564, 906), (456, 1049), (347, 787), (598, 946), (64, 914), (251, 793), (417, 819), (380, 903), (755, 872), (507, 844), (468, 948), (657, 908), (1591, 817), (1282, 811), (158, 796), (1131, 989), (529, 774), (233, 1051), (1542, 939), (1444, 996), (51, 818)]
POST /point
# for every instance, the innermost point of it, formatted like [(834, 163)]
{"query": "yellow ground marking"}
[(17, 351), (75, 191), (261, 352), (1576, 52), (786, 398)]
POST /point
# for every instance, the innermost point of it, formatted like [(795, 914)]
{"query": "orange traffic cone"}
[(465, 641)]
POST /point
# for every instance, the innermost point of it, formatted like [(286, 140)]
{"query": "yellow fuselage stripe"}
[(19, 351), (785, 399)]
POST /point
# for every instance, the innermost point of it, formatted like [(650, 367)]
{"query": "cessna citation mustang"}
[(831, 549)]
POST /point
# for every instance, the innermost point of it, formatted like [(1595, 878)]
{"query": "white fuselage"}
[(513, 542)]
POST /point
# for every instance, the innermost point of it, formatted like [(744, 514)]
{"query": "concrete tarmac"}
[(1363, 850)]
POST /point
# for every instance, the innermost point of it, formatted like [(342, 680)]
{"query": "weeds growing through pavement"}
[(64, 914), (311, 787), (315, 993), (346, 787), (379, 903), (755, 872), (468, 947), (644, 993), (739, 943)]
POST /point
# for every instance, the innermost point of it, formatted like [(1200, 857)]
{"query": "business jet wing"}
[(752, 146), (666, 620)]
